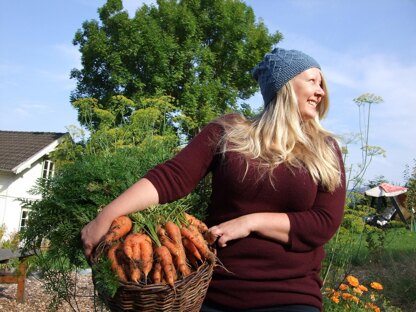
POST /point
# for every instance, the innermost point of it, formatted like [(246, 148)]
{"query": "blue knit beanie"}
[(278, 67)]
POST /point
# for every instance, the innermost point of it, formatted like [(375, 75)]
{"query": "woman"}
[(278, 192)]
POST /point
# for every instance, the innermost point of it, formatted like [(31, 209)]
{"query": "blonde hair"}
[(279, 136)]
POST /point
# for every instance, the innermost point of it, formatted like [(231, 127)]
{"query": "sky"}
[(363, 46)]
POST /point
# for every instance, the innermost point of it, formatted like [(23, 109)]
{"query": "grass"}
[(394, 266)]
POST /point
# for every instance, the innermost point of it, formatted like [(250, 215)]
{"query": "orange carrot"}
[(173, 231), (134, 272), (192, 233), (146, 254), (182, 265), (191, 259), (131, 246), (201, 226), (116, 262), (119, 227), (165, 240), (190, 247), (138, 248), (171, 237), (157, 273), (164, 257)]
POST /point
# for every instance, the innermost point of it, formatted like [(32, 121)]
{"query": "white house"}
[(23, 160)]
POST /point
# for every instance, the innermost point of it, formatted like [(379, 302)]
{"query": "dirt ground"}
[(37, 300)]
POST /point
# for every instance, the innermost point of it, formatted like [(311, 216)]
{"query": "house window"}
[(48, 168), (24, 218)]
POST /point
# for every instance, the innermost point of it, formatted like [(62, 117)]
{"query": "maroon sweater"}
[(261, 272)]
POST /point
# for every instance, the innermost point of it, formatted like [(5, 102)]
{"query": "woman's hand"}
[(230, 230), (92, 234), (271, 225), (139, 196)]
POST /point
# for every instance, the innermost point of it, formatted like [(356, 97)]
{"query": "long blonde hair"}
[(279, 136)]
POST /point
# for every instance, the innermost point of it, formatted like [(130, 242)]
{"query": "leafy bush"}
[(71, 199), (79, 190)]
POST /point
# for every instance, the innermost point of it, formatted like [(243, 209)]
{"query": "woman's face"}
[(308, 89)]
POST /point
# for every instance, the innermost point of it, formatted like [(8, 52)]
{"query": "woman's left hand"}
[(273, 225), (230, 230)]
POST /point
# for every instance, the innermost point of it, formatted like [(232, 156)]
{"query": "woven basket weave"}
[(187, 295)]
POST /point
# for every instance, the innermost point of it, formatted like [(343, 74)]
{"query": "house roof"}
[(18, 149)]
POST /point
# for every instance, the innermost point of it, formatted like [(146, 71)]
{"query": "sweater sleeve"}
[(180, 175), (315, 227)]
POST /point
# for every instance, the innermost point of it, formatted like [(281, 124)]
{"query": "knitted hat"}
[(278, 67)]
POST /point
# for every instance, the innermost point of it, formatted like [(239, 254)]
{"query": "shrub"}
[(71, 199)]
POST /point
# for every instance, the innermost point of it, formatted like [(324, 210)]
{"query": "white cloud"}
[(392, 123), (339, 78), (395, 83)]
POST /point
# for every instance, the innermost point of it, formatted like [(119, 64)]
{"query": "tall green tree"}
[(199, 52)]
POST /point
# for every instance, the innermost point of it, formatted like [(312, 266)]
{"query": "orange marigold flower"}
[(335, 299), (343, 286), (372, 306), (362, 287), (346, 295), (357, 290), (355, 299), (353, 281), (329, 290), (376, 285)]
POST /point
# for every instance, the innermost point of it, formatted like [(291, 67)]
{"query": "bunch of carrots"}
[(156, 251)]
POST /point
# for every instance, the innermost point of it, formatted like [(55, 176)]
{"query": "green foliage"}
[(106, 281), (383, 255), (353, 220), (11, 242), (151, 121), (2, 231), (393, 267), (78, 191), (398, 276), (73, 197), (58, 271), (375, 238), (411, 194), (198, 52), (353, 243)]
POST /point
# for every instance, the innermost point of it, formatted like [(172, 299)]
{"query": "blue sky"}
[(363, 46)]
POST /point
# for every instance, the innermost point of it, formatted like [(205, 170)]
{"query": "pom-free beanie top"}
[(277, 68)]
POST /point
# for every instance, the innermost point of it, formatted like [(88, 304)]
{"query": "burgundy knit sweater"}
[(260, 272)]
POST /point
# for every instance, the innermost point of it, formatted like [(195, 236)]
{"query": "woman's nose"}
[(319, 91)]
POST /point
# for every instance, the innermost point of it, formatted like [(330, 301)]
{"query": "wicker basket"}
[(187, 295)]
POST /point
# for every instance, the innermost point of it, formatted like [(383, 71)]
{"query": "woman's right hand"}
[(92, 234), (139, 196)]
